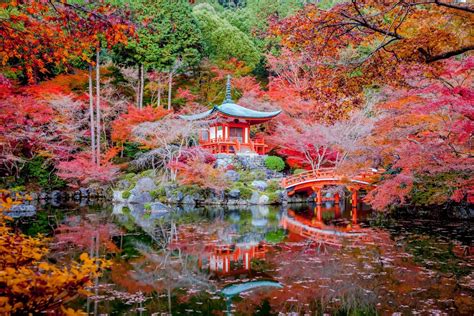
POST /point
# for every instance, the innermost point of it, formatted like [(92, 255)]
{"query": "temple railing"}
[(258, 144)]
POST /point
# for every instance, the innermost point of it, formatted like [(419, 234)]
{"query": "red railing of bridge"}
[(328, 173)]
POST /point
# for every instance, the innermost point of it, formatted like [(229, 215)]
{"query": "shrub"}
[(245, 193), (158, 193), (298, 171), (274, 163), (147, 206), (126, 194), (273, 197), (273, 186), (41, 170)]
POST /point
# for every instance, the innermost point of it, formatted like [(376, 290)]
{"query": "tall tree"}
[(224, 41), (168, 36)]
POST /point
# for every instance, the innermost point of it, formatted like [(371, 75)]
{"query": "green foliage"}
[(170, 33), (158, 194), (224, 41), (273, 186), (274, 163), (130, 150), (126, 194), (147, 206), (436, 189), (273, 197), (298, 171), (40, 170), (275, 236), (245, 191)]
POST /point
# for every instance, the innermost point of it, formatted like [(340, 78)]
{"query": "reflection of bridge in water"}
[(315, 229)]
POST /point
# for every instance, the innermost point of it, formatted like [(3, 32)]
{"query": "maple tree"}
[(196, 166), (38, 36), (329, 56), (169, 138), (426, 133), (122, 126), (29, 282)]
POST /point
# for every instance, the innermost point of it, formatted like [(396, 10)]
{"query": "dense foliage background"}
[(89, 90)]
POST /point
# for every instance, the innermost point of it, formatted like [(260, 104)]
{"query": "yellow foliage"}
[(31, 284)]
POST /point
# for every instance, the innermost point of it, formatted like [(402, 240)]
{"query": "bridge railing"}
[(326, 173), (307, 176)]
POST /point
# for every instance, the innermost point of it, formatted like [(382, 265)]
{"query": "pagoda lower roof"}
[(232, 110)]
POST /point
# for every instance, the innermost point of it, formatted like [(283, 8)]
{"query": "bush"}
[(273, 186), (274, 163), (245, 193), (298, 171), (41, 170), (147, 206), (125, 194), (158, 193)]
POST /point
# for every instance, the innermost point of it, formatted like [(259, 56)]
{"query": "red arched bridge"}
[(315, 181)]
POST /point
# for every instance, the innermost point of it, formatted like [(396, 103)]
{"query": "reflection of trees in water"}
[(165, 268)]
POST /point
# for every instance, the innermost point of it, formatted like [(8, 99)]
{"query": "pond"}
[(264, 260)]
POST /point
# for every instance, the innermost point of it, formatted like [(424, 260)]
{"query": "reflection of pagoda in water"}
[(231, 259)]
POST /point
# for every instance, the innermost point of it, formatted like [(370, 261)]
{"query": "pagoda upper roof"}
[(231, 109)]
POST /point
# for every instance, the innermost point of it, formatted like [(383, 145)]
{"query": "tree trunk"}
[(159, 95), (170, 85), (97, 67), (91, 111), (142, 85), (138, 86)]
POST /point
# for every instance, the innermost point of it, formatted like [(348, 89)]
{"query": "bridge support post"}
[(354, 198), (319, 195), (318, 210), (354, 215), (337, 210)]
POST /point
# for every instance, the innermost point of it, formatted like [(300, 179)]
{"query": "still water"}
[(261, 260)]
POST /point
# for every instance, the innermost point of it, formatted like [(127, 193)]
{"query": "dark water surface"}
[(264, 260)]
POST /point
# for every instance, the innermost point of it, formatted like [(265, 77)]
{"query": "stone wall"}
[(245, 161)]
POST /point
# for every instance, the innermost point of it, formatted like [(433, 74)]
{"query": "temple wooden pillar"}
[(336, 198)]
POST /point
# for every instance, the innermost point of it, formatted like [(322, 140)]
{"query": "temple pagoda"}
[(229, 128)]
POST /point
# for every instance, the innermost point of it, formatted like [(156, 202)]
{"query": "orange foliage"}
[(123, 125)]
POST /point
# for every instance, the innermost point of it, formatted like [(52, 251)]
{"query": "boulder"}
[(55, 195), (34, 196), (234, 194), (175, 197), (189, 200), (259, 185), (145, 184), (255, 198), (263, 199), (139, 197), (84, 192), (283, 196), (117, 197), (22, 208), (123, 184), (157, 207), (232, 175)]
